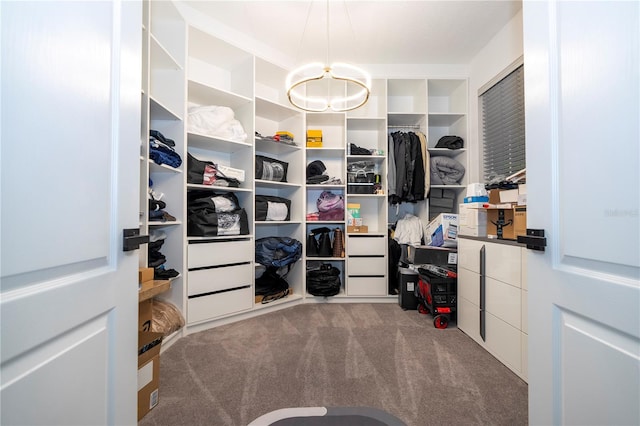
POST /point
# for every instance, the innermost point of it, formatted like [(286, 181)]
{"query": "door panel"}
[(49, 366), (581, 92), (584, 347), (71, 78)]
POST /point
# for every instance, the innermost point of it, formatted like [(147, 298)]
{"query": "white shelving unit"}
[(220, 278), (437, 108), (332, 155), (367, 274), (447, 103), (186, 65), (272, 115), (163, 109)]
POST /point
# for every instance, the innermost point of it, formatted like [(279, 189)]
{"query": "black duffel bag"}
[(271, 169), (324, 281), (271, 207), (215, 215), (209, 223)]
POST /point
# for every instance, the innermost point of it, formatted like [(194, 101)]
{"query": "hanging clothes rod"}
[(408, 126)]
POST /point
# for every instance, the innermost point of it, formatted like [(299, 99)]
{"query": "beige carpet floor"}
[(336, 355)]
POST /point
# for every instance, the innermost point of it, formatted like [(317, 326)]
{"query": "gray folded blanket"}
[(446, 171)]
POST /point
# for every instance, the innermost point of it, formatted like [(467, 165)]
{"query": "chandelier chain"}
[(328, 41)]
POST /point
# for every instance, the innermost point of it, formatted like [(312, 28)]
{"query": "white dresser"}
[(366, 265), (220, 278), (492, 298)]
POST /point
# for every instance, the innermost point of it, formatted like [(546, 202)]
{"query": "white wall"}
[(501, 51)]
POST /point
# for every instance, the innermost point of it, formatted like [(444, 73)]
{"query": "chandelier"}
[(318, 87)]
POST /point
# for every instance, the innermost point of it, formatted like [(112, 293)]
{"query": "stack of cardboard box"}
[(149, 344), (504, 208), (354, 220)]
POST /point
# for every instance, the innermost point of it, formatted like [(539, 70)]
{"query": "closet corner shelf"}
[(162, 167), (204, 94), (165, 223), (289, 298), (448, 186), (446, 152), (217, 188), (273, 184), (277, 222), (367, 195), (320, 186), (159, 111), (191, 238), (325, 259), (198, 140), (152, 288), (365, 157), (275, 146), (340, 149)]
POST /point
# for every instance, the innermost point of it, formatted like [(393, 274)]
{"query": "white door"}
[(582, 92), (71, 78)]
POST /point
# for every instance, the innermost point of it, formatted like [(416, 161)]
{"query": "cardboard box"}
[(422, 255), (494, 196), (518, 217), (509, 196), (508, 232), (144, 275), (472, 220), (353, 215), (443, 231), (520, 221), (357, 229), (148, 371), (145, 309)]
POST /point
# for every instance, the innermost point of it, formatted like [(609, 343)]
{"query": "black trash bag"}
[(324, 281)]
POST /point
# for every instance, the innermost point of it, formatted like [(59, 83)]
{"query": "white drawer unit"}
[(221, 252), (367, 286), (366, 265), (492, 299), (220, 278), (369, 245), (200, 308)]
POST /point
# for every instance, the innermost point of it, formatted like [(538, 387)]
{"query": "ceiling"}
[(366, 31)]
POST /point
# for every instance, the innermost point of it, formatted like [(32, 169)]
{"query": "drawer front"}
[(370, 245), (503, 301), (525, 357), (221, 278), (525, 312), (367, 286), (504, 263), (469, 286), (367, 265), (219, 304), (469, 254), (523, 272), (220, 253), (469, 319), (504, 342)]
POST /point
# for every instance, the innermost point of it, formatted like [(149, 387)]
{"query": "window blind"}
[(503, 133)]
